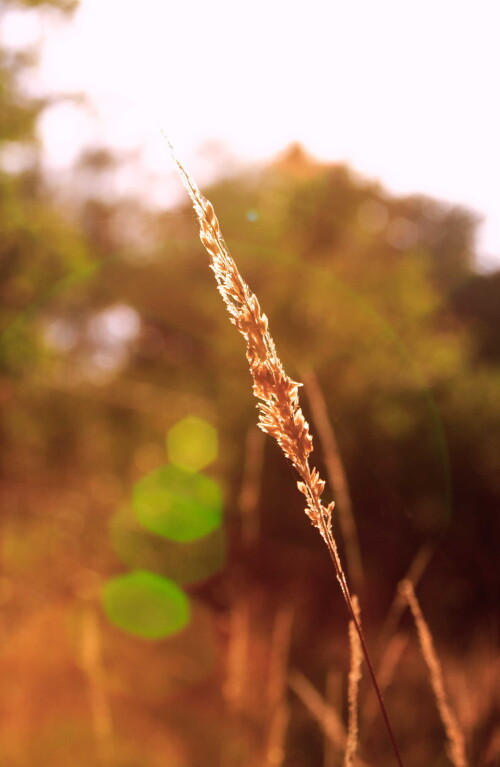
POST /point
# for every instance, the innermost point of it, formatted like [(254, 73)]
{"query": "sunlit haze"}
[(166, 595), (405, 92)]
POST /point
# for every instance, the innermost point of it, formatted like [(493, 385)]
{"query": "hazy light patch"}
[(16, 157), (61, 335), (110, 333), (192, 444), (489, 229), (20, 29), (402, 233), (65, 130), (103, 364), (384, 86), (116, 325)]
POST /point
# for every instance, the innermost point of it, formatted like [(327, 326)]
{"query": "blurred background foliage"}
[(112, 333)]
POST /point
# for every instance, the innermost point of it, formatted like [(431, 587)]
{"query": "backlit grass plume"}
[(280, 414)]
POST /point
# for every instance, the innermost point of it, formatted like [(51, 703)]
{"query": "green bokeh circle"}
[(178, 504), (145, 604), (192, 444)]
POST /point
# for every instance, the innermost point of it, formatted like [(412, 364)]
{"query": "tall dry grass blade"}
[(327, 717), (332, 699), (280, 415), (390, 661), (450, 722), (492, 754), (336, 476), (275, 746), (235, 685), (353, 687), (324, 713), (386, 670), (414, 573), (278, 711), (92, 663), (248, 500), (392, 644)]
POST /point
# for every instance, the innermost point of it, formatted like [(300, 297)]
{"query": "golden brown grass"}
[(235, 685), (353, 686), (278, 710), (324, 713), (336, 476), (92, 664), (450, 722), (248, 499), (392, 644), (280, 414)]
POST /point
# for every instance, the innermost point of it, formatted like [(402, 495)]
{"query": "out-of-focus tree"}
[(38, 248), (477, 301)]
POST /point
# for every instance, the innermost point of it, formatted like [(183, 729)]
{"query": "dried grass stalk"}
[(386, 670), (353, 687), (248, 501), (450, 722), (92, 664), (337, 477), (323, 712), (414, 573), (277, 707), (280, 415), (236, 683), (392, 644)]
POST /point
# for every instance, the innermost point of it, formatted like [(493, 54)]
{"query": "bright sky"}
[(404, 90)]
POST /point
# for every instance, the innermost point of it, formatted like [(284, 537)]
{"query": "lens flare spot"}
[(146, 605), (192, 444), (178, 504), (252, 215)]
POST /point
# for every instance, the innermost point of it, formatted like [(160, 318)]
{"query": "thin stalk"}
[(450, 722), (337, 477), (332, 550), (280, 414)]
